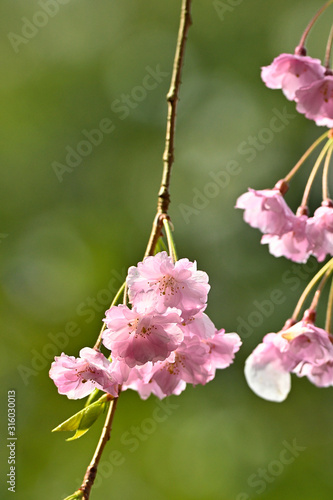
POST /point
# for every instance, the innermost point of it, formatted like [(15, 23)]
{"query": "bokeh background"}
[(68, 234)]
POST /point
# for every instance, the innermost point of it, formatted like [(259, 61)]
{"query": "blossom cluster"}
[(302, 348), (304, 80), (159, 343), (294, 236)]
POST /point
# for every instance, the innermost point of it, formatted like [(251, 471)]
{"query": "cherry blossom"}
[(321, 376), (284, 232), (140, 380), (155, 348), (293, 244), (137, 335), (193, 362), (222, 349), (320, 232), (188, 364), (78, 377), (267, 211), (176, 284), (199, 325), (316, 101), (291, 72), (295, 237), (303, 349)]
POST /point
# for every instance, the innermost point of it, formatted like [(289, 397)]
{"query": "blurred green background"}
[(67, 237)]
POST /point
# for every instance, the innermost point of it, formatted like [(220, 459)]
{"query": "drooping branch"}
[(162, 211), (172, 100)]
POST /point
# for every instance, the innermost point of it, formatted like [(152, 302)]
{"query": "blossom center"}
[(167, 285), (85, 374), (140, 330), (175, 367)]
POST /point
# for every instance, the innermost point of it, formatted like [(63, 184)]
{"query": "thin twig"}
[(91, 472), (309, 26), (172, 100)]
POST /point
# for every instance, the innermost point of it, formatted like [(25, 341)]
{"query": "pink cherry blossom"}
[(294, 244), (188, 363), (316, 101), (193, 362), (176, 284), (140, 380), (308, 344), (321, 376), (291, 72), (222, 349), (78, 377), (320, 232), (138, 335), (284, 232), (313, 347), (267, 211), (199, 325), (303, 349), (222, 346)]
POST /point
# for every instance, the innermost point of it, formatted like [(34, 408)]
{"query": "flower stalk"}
[(307, 153), (328, 321), (327, 268), (326, 196), (314, 172), (171, 243), (300, 49)]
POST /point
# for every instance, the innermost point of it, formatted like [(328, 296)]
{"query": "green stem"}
[(328, 322), (305, 156), (314, 172), (171, 243), (307, 290), (315, 300), (325, 173)]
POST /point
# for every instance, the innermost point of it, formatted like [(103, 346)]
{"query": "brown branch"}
[(91, 472), (172, 100), (162, 211)]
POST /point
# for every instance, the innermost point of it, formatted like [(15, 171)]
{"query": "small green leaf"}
[(78, 434), (84, 419), (160, 246)]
